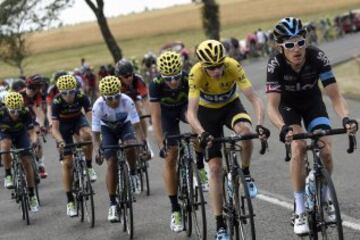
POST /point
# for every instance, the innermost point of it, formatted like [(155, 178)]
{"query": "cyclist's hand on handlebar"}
[(351, 125), (286, 134), (205, 140), (263, 132)]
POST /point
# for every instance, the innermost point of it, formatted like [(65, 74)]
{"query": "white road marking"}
[(280, 201)]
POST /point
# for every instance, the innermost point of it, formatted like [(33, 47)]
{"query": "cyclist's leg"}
[(109, 138), (67, 130), (212, 120), (5, 145), (39, 152), (83, 131)]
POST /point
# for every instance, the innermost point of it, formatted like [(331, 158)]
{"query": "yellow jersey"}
[(216, 93)]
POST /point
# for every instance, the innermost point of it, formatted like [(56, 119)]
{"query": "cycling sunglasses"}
[(127, 75), (33, 87), (68, 92), (170, 78), (14, 111), (112, 97), (291, 45), (211, 68)]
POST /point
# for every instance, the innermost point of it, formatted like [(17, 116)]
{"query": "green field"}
[(348, 77), (52, 58)]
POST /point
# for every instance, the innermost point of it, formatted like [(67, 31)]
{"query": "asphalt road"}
[(152, 213)]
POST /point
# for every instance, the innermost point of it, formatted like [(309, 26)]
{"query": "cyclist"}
[(294, 96), (67, 120), (134, 86), (33, 100), (168, 105), (17, 129), (213, 103), (114, 115)]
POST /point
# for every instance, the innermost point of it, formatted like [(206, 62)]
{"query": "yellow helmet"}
[(169, 63), (109, 85), (211, 53), (14, 100), (66, 82)]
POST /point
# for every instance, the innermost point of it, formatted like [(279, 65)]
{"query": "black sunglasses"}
[(126, 76), (14, 111), (211, 68), (68, 92), (112, 97), (170, 78)]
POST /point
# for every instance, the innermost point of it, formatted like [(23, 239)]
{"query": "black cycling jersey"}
[(69, 112), (299, 87), (8, 125), (159, 91)]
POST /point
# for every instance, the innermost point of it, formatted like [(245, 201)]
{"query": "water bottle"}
[(310, 191)]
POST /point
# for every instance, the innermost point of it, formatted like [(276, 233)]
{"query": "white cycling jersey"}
[(103, 115)]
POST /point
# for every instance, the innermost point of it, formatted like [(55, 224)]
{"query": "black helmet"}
[(123, 68), (36, 79), (58, 74), (288, 27), (18, 85)]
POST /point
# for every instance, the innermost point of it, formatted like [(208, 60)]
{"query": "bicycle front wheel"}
[(198, 207), (127, 203), (245, 223), (25, 207), (88, 200), (329, 222)]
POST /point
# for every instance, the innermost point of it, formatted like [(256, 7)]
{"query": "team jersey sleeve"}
[(28, 120), (132, 112), (273, 76), (154, 91), (96, 117), (326, 74), (194, 81), (86, 103), (142, 88), (55, 110), (242, 81)]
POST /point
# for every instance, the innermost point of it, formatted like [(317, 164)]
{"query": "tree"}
[(109, 39), (20, 17), (210, 19)]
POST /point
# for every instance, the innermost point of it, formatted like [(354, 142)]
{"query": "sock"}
[(200, 160), (88, 163), (70, 197), (41, 162), (112, 199), (299, 202), (174, 203), (246, 171), (7, 172), (220, 222), (31, 191)]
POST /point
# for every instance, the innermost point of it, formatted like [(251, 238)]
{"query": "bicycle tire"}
[(79, 197), (328, 230), (147, 180), (25, 207), (128, 219), (181, 193), (89, 198), (188, 207), (246, 211), (198, 204), (227, 209)]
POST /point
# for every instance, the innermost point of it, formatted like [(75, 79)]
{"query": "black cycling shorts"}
[(313, 115), (213, 120), (170, 120)]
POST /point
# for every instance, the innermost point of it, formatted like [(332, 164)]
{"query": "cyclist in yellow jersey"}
[(213, 103)]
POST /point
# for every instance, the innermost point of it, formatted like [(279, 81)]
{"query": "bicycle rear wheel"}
[(245, 223), (328, 229), (127, 202), (88, 200), (198, 208)]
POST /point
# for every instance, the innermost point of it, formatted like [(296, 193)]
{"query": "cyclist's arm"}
[(89, 117), (49, 113), (56, 132), (193, 106), (96, 141), (40, 115), (273, 109), (139, 132), (256, 103), (33, 135), (156, 122), (338, 102)]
